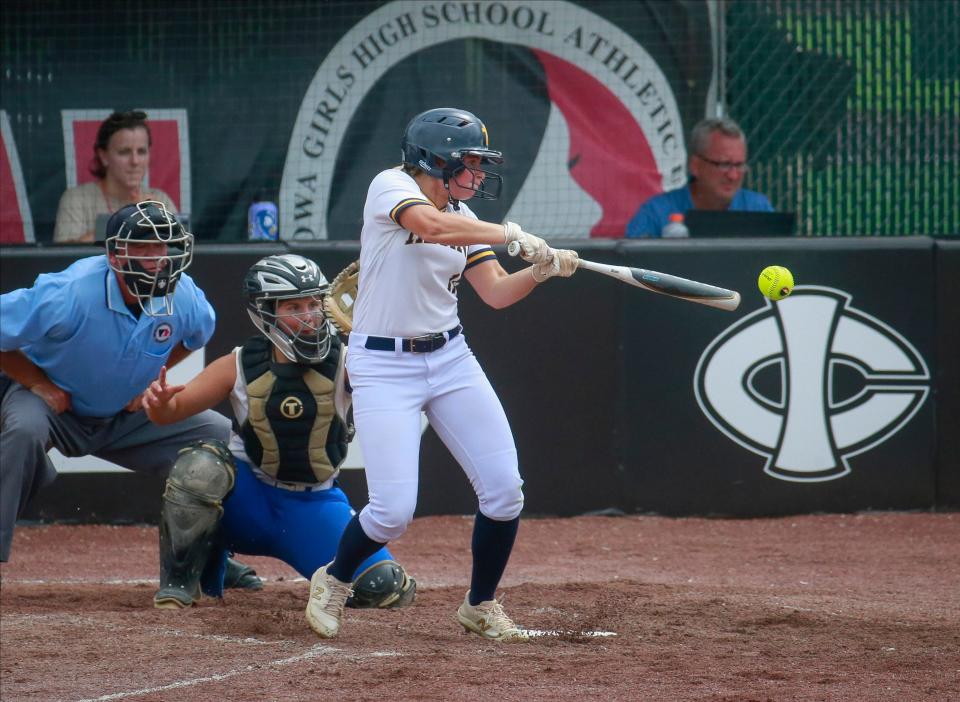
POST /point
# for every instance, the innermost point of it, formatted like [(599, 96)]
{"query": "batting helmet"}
[(284, 277), (149, 274), (436, 142)]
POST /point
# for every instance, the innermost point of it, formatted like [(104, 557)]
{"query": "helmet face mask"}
[(302, 336), (438, 141), (301, 331), (149, 248)]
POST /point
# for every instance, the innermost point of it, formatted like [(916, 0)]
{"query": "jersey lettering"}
[(454, 282), (388, 303), (414, 239)]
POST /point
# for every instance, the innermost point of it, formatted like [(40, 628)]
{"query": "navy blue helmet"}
[(436, 142)]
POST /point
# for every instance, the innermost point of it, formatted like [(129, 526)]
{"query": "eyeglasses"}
[(741, 166)]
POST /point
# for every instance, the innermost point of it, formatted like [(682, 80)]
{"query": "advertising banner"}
[(841, 397), (302, 103)]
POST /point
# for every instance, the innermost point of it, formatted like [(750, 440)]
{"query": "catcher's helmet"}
[(436, 141), (283, 277), (151, 277)]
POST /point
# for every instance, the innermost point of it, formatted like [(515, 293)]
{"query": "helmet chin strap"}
[(450, 198)]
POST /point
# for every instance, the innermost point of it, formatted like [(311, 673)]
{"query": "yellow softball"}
[(775, 282)]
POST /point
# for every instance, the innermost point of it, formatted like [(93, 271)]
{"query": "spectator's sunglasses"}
[(741, 166), (138, 115)]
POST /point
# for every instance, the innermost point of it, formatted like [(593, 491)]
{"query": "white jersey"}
[(241, 408), (408, 287)]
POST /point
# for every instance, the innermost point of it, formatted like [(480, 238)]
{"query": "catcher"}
[(273, 490)]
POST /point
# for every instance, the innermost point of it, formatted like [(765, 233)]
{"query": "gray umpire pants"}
[(29, 428)]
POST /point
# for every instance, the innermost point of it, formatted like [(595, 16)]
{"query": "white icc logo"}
[(809, 382)]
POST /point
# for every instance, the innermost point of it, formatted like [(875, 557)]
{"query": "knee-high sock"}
[(492, 544), (355, 547)]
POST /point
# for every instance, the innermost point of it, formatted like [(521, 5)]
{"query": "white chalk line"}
[(14, 619), (118, 581), (533, 633), (314, 651)]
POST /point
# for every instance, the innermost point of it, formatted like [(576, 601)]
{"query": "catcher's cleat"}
[(490, 621), (325, 606), (173, 597), (241, 577)]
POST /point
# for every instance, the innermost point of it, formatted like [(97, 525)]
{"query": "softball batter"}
[(408, 353)]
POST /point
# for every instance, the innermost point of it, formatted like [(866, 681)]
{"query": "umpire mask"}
[(150, 250)]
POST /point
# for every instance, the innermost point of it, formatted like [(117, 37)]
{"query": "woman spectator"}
[(121, 157)]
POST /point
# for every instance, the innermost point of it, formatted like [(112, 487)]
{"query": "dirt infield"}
[(856, 607)]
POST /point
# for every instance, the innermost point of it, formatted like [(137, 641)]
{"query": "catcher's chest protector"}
[(292, 431)]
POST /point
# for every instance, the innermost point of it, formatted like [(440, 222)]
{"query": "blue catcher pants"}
[(300, 528)]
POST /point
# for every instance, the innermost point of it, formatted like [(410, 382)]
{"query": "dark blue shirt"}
[(653, 216)]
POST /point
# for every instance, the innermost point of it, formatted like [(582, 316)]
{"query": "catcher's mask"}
[(287, 277), (150, 250), (437, 141)]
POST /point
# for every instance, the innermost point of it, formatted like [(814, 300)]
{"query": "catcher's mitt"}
[(338, 302)]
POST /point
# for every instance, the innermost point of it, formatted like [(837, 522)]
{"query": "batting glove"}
[(564, 264), (532, 248)]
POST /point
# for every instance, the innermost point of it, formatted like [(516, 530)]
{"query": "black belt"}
[(418, 344)]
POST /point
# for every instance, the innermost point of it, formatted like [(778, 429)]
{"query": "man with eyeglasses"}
[(717, 166)]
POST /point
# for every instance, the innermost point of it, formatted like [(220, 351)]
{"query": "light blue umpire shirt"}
[(75, 325)]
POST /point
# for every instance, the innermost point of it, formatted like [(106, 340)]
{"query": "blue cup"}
[(262, 219)]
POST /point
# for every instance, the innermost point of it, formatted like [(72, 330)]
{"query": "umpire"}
[(78, 349)]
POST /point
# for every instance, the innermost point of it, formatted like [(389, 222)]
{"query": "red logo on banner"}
[(16, 224), (609, 156)]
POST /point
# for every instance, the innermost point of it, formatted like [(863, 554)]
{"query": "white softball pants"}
[(390, 388)]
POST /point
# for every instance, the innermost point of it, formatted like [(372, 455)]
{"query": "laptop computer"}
[(100, 225), (727, 223)]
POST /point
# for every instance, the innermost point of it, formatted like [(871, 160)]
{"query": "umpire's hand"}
[(136, 404), (56, 397)]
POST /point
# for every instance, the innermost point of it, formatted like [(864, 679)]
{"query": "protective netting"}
[(851, 107), (852, 110)]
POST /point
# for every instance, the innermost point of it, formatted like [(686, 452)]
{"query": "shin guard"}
[(202, 476)]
